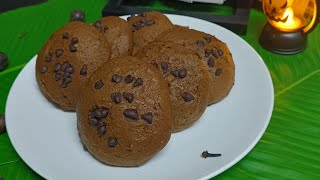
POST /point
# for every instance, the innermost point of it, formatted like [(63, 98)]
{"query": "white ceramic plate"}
[(47, 139)]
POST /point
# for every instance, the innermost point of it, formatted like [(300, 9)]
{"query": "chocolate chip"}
[(164, 67), (84, 148), (48, 57), (175, 73), (83, 71), (210, 62), (64, 66), (98, 85), (138, 82), (128, 79), (44, 69), (182, 73), (67, 80), (128, 96), (147, 117), (3, 61), (57, 76), (93, 121), (131, 114), (105, 28), (150, 22), (131, 16), (77, 15), (57, 67), (207, 53), (72, 48), (112, 141), (97, 113), (69, 69), (66, 74), (116, 97), (97, 24), (220, 53), (74, 40), (142, 21), (207, 39), (187, 96), (59, 52), (102, 130), (136, 26), (214, 53), (116, 78), (218, 72), (65, 35), (200, 43), (104, 112)]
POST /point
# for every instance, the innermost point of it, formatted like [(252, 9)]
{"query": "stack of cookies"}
[(133, 83)]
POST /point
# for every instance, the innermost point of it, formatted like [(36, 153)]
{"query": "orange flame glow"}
[(291, 22)]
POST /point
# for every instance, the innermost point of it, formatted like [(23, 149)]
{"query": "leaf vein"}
[(9, 162), (12, 69), (297, 82)]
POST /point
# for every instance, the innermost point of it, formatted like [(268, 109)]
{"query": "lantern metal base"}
[(282, 42)]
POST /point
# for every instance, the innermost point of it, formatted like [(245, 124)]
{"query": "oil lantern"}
[(289, 22)]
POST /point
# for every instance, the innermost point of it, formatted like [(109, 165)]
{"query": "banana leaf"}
[(290, 147)]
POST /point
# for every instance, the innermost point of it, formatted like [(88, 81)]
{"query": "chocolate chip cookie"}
[(187, 78), (124, 115), (215, 56), (118, 33), (69, 56), (146, 27)]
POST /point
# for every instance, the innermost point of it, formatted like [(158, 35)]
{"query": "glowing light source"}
[(291, 22)]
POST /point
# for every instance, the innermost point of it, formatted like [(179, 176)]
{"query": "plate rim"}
[(212, 174)]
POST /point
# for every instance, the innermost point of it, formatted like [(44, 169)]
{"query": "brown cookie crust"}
[(137, 126), (118, 33), (146, 27), (215, 55), (69, 56), (187, 78)]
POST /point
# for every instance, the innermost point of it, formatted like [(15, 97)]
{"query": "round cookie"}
[(124, 115), (215, 55), (146, 27), (69, 56), (187, 78), (118, 33)]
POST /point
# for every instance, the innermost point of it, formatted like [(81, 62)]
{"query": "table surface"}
[(290, 147)]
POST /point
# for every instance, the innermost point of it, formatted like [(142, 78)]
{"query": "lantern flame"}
[(289, 22)]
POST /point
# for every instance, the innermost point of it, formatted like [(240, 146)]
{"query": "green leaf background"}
[(290, 147)]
